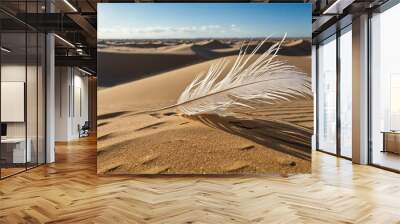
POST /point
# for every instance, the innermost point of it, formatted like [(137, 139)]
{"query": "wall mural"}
[(204, 89)]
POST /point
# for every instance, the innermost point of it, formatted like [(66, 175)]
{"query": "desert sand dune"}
[(174, 144), (146, 45), (155, 91), (296, 48), (116, 68), (180, 48), (278, 135), (166, 142), (164, 89), (213, 44), (288, 48), (145, 59), (293, 43)]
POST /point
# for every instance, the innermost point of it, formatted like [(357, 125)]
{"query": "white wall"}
[(71, 87), (62, 81), (33, 125), (12, 73), (81, 104)]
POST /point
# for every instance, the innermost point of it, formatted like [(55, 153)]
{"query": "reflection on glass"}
[(394, 102), (327, 95), (31, 101), (385, 84), (41, 98), (14, 153), (346, 92), (22, 92)]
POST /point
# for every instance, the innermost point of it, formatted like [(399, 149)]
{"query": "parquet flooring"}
[(69, 191)]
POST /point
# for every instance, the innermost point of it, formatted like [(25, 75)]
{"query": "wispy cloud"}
[(234, 27), (161, 32), (229, 20)]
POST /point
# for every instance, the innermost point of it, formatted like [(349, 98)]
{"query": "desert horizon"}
[(175, 53)]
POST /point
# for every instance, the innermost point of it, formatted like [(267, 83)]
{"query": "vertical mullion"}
[(45, 87), (37, 90), (338, 73), (26, 86), (316, 97), (369, 90), (45, 95)]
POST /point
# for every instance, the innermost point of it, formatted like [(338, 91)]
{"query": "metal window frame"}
[(44, 75), (339, 32), (381, 9), (387, 5)]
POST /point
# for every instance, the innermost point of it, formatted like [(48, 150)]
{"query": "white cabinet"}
[(19, 155)]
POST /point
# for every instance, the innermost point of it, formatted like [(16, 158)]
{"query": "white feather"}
[(249, 81)]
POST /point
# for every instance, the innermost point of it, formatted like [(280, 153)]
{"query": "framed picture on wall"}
[(204, 88)]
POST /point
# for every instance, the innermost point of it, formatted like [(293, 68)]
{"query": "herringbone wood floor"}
[(70, 192)]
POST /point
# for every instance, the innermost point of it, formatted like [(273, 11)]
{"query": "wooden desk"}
[(13, 150), (391, 141)]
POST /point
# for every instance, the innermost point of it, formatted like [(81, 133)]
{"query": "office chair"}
[(84, 130)]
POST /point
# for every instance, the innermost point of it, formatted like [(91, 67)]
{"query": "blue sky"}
[(196, 20)]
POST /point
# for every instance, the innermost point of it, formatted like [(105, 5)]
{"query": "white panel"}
[(327, 96), (12, 101), (394, 102), (346, 93), (50, 94), (77, 112), (20, 155), (77, 101)]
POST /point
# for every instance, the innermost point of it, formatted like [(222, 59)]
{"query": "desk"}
[(391, 141), (16, 153)]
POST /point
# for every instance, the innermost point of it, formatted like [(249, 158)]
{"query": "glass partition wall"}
[(334, 93), (22, 98), (327, 95), (345, 93), (13, 90), (385, 89)]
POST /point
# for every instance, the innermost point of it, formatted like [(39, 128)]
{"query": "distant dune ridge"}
[(272, 139), (136, 60), (214, 44)]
